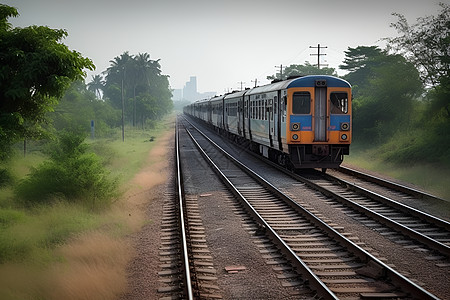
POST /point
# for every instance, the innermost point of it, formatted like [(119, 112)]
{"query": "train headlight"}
[(295, 137), (344, 137), (345, 126), (295, 126)]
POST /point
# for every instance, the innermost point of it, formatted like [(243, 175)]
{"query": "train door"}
[(244, 124), (320, 112), (247, 113), (270, 121), (276, 121), (239, 115)]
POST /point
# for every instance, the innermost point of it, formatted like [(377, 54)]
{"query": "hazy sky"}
[(220, 42)]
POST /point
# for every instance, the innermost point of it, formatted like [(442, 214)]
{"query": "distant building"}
[(190, 90), (190, 93)]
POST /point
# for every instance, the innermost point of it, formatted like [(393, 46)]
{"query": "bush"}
[(5, 177), (71, 174)]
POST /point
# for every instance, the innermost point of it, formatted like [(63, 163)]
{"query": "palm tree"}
[(96, 85), (117, 73)]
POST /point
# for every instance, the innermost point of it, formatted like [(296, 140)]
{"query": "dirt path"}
[(144, 202)]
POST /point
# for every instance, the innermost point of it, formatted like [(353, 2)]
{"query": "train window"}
[(259, 110), (339, 103), (301, 103)]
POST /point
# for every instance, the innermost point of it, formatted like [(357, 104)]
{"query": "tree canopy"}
[(385, 88), (146, 91), (425, 44), (35, 69), (302, 70), (401, 100)]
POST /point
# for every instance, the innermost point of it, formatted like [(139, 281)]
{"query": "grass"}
[(67, 251), (432, 178)]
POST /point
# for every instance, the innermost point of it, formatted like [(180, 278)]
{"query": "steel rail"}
[(429, 242), (389, 184), (396, 277), (404, 229), (400, 206), (180, 191), (314, 281)]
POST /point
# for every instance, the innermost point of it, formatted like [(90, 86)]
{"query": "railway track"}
[(333, 265), (187, 268), (381, 207), (401, 191), (417, 225)]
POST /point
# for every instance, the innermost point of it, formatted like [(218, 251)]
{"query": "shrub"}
[(71, 174), (5, 177)]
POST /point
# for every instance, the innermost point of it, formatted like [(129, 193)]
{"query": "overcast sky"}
[(220, 42)]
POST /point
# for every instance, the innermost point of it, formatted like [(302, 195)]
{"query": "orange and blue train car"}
[(302, 122)]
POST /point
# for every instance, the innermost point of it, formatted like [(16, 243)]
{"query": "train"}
[(303, 122)]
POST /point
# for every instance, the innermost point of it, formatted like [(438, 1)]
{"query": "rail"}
[(180, 192)]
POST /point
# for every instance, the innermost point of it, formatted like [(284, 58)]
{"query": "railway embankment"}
[(432, 178)]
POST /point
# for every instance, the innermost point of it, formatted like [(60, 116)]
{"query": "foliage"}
[(72, 173), (391, 109), (360, 62), (96, 85), (385, 95), (425, 44), (5, 177), (79, 107), (35, 70), (302, 70), (139, 82)]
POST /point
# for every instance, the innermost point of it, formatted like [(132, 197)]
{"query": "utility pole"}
[(241, 82), (256, 82), (123, 110), (281, 71), (319, 54)]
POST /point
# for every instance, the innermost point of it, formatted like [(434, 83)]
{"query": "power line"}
[(318, 55)]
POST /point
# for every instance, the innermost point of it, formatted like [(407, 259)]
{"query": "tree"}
[(35, 70), (303, 70), (425, 44), (385, 90), (361, 63), (145, 90), (96, 85)]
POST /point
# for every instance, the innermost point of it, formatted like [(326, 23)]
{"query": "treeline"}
[(132, 84), (44, 100), (401, 94)]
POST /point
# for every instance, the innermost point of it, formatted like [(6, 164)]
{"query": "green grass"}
[(30, 234), (432, 178), (125, 158)]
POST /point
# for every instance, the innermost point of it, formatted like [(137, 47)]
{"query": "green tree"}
[(361, 62), (79, 106), (386, 93), (425, 44), (96, 85), (35, 70), (72, 173), (303, 70), (145, 90)]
